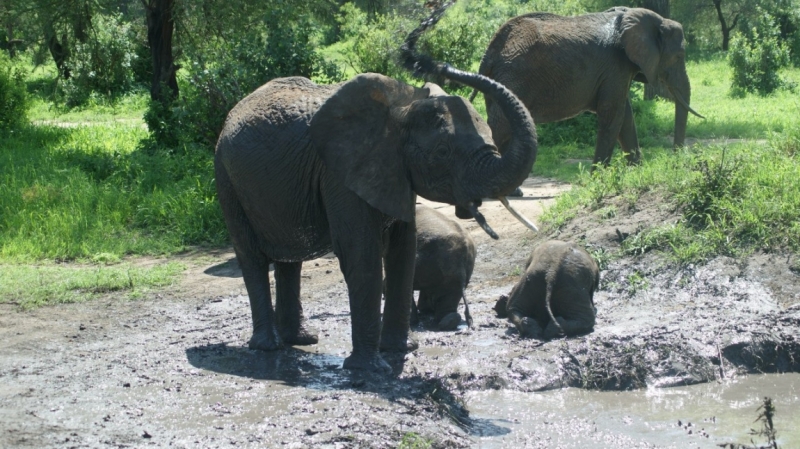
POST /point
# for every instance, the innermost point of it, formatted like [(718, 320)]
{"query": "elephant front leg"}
[(610, 118), (288, 309), (628, 139), (356, 236), (402, 248)]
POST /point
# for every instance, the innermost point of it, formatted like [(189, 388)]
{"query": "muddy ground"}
[(174, 370)]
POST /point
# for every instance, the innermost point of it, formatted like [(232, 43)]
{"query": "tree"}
[(160, 30)]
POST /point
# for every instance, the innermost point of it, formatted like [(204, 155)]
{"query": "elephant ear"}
[(358, 136), (641, 39)]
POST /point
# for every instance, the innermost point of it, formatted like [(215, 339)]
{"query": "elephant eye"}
[(442, 151)]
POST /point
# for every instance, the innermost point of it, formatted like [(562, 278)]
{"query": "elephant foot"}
[(367, 362), (265, 340), (450, 322), (529, 328), (303, 337), (405, 344), (516, 193)]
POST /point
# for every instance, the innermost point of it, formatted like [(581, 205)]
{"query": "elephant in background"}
[(555, 294), (562, 66), (303, 169), (442, 268)]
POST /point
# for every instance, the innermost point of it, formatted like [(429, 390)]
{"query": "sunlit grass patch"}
[(729, 199), (72, 193), (32, 286)]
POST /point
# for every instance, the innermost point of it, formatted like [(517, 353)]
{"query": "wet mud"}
[(174, 369)]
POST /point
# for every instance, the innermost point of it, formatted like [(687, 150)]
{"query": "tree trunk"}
[(160, 27), (58, 50), (726, 30), (656, 88)]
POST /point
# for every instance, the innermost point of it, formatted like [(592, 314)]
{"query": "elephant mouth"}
[(472, 206)]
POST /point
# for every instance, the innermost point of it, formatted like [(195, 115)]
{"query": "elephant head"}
[(656, 46), (387, 141)]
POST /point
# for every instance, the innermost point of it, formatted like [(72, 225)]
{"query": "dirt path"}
[(173, 370)]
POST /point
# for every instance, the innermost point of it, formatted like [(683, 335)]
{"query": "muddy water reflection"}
[(576, 418)]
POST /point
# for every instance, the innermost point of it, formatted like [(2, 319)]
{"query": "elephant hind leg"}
[(288, 309), (254, 264)]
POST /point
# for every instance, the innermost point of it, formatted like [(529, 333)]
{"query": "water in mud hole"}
[(698, 416)]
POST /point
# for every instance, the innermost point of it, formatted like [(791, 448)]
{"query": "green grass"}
[(73, 193), (31, 286), (46, 107), (731, 199)]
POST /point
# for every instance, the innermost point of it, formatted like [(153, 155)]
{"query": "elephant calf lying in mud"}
[(555, 293), (442, 268)]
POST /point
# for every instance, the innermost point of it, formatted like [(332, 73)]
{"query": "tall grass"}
[(729, 199), (72, 193)]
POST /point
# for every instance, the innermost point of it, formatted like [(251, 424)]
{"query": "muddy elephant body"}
[(302, 169), (442, 267), (555, 294), (562, 66)]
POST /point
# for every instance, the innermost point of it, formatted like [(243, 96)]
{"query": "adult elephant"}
[(303, 169), (561, 66)]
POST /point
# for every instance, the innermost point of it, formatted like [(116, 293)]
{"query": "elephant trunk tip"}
[(481, 220)]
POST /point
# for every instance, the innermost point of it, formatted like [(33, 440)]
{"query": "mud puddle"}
[(697, 416), (174, 369)]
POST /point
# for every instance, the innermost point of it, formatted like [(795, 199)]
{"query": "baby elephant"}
[(555, 293), (442, 269)]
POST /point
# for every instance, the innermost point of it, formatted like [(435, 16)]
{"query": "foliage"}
[(78, 192), (222, 74), (102, 65), (13, 95), (372, 46), (731, 199), (756, 55)]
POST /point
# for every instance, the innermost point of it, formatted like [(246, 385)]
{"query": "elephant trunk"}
[(503, 173), (677, 82)]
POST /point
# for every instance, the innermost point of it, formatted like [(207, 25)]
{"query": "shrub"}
[(239, 67), (372, 46), (756, 55), (13, 96), (101, 65)]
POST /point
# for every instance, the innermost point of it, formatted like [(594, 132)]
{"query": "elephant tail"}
[(467, 315), (551, 282), (473, 95)]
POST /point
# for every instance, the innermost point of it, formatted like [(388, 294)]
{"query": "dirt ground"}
[(174, 369)]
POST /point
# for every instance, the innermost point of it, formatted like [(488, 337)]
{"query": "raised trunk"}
[(503, 174)]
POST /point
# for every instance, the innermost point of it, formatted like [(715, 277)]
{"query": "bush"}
[(239, 67), (372, 46), (756, 55), (13, 96), (102, 65)]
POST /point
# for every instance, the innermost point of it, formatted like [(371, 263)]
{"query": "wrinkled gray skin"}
[(561, 66), (303, 169), (442, 268), (555, 293)]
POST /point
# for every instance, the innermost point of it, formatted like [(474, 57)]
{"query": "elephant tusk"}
[(473, 209), (517, 215), (683, 102)]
